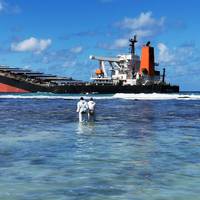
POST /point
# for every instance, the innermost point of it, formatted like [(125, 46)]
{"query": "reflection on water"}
[(134, 150), (86, 128)]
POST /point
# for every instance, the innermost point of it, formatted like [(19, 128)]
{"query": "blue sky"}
[(58, 36)]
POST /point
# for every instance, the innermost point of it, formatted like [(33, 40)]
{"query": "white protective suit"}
[(91, 110), (82, 108)]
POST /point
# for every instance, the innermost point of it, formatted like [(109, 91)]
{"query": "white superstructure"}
[(127, 69)]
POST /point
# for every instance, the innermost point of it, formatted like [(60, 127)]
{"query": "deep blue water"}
[(136, 149)]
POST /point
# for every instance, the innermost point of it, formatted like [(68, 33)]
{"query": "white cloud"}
[(117, 44), (145, 20), (69, 63), (1, 6), (182, 64), (9, 8), (164, 54), (180, 59), (77, 49), (120, 43), (143, 33), (177, 56), (31, 45), (144, 26)]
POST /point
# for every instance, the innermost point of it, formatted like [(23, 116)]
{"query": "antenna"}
[(132, 44)]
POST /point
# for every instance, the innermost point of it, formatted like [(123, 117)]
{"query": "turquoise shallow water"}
[(137, 149)]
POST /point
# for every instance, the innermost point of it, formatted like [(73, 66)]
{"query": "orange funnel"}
[(147, 61)]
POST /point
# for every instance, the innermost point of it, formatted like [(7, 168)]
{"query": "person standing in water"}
[(82, 108), (91, 110)]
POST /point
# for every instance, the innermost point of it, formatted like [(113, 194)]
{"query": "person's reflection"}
[(86, 128)]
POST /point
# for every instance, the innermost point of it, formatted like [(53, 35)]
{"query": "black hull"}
[(111, 89), (83, 88)]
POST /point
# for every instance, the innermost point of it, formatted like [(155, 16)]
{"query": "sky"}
[(58, 36)]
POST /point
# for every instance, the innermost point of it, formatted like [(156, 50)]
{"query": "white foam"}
[(156, 96), (50, 96), (141, 96)]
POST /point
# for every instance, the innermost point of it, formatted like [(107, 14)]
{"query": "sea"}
[(140, 147)]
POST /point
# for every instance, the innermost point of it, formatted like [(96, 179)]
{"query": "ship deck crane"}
[(116, 63)]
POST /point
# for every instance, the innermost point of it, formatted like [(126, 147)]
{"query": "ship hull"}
[(112, 89), (11, 85)]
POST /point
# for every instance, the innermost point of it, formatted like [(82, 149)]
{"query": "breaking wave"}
[(52, 96), (141, 96), (156, 96)]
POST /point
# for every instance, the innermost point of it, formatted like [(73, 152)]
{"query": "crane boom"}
[(109, 59)]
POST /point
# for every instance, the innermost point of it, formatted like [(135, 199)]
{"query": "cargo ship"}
[(128, 73)]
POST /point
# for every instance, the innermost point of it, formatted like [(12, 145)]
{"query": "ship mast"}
[(132, 45)]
